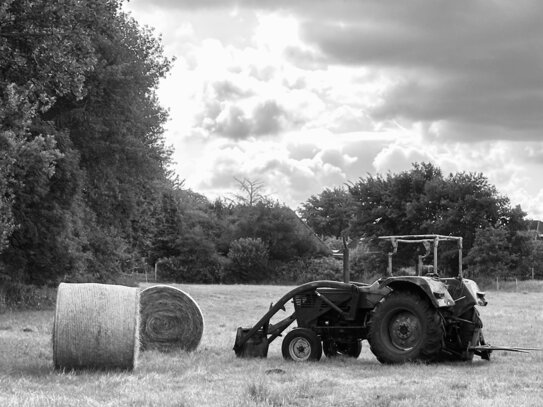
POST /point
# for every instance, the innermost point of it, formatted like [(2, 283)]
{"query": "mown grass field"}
[(213, 376)]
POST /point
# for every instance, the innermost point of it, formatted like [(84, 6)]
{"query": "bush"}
[(206, 270), (365, 266), (249, 260), (21, 296), (490, 254), (305, 270), (334, 243)]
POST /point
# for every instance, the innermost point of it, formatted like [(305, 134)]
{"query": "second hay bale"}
[(170, 320)]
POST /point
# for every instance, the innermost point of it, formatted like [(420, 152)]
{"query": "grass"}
[(213, 376)]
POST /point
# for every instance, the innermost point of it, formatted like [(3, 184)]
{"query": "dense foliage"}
[(424, 201), (199, 241), (82, 154)]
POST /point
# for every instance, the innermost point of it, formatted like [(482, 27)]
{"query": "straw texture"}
[(96, 326), (170, 320)]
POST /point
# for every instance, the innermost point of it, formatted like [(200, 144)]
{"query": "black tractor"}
[(417, 317)]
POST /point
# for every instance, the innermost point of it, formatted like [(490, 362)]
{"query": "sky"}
[(312, 94)]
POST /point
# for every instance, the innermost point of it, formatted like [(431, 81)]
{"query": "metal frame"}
[(429, 239)]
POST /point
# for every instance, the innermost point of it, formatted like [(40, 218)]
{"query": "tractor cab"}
[(430, 244)]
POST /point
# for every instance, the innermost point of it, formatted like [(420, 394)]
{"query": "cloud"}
[(534, 153), (227, 90), (231, 121), (337, 159), (269, 118), (464, 64), (461, 63), (311, 94), (302, 151), (291, 170), (397, 158)]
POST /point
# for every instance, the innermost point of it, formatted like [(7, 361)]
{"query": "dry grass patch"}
[(213, 376)]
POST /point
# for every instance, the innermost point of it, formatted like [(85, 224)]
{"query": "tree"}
[(527, 254), (278, 227), (7, 161), (423, 201), (489, 255), (249, 259), (250, 192), (534, 261), (46, 52), (398, 203), (329, 214), (184, 244), (35, 181), (82, 130)]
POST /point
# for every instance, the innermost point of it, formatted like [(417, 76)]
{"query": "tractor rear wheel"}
[(405, 327), (301, 345), (351, 349)]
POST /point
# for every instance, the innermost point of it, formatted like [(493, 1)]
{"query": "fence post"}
[(497, 284)]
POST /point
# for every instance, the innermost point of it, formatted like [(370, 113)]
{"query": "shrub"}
[(249, 260), (20, 296), (366, 266), (305, 270), (179, 269), (490, 254)]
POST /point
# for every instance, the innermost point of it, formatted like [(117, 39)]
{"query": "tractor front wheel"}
[(405, 327), (301, 345)]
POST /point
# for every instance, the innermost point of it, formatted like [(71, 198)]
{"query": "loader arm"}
[(262, 328)]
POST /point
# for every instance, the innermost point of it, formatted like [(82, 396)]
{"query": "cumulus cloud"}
[(462, 63), (459, 63), (534, 152), (314, 93), (397, 158), (231, 121), (269, 118)]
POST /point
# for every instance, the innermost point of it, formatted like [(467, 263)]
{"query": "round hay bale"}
[(96, 326), (170, 320)]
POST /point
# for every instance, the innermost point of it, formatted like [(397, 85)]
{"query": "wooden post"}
[(389, 268), (156, 269), (346, 270), (497, 284), (460, 246), (436, 243)]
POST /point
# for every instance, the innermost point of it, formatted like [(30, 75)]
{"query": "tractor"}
[(418, 317)]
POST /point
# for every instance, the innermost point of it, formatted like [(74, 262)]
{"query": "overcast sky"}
[(309, 94)]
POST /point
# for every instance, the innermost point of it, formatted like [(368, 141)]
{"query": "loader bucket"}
[(254, 347)]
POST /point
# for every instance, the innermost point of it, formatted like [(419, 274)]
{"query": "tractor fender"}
[(434, 289)]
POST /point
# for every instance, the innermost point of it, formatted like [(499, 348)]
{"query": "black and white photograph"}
[(271, 203)]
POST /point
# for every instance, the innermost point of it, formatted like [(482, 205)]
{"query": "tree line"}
[(497, 237), (87, 192), (82, 155)]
